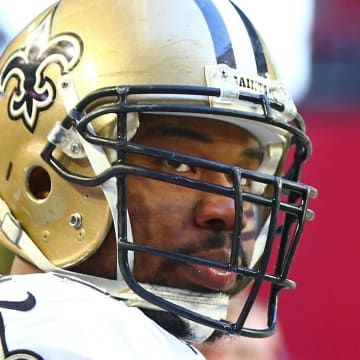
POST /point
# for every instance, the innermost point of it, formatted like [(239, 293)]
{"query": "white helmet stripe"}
[(219, 33), (234, 37), (257, 46), (239, 37)]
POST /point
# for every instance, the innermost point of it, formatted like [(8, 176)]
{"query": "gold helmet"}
[(85, 69)]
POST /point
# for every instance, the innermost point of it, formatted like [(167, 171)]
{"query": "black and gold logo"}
[(34, 91)]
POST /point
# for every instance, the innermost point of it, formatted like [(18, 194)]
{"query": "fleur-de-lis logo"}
[(35, 91)]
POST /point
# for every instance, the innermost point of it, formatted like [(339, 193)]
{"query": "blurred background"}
[(320, 320), (316, 44)]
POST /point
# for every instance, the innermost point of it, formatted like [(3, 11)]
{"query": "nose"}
[(213, 211)]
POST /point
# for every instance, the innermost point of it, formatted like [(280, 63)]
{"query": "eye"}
[(177, 166)]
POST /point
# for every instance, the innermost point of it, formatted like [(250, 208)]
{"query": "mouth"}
[(209, 277), (185, 274)]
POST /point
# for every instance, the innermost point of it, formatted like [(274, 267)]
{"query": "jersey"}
[(49, 317)]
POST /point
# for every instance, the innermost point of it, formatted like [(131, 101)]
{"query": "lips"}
[(209, 277)]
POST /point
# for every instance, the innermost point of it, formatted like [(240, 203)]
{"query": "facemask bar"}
[(296, 208)]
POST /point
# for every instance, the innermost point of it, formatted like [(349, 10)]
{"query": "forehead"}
[(194, 129)]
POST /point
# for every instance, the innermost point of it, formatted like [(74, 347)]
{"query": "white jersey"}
[(44, 316)]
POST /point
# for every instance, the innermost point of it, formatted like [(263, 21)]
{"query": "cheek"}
[(160, 215), (249, 231), (156, 208)]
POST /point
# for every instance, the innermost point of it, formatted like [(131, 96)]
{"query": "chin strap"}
[(13, 231), (213, 305)]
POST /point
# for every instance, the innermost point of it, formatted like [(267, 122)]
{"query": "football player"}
[(150, 169)]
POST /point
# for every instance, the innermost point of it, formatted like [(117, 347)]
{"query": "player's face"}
[(183, 219)]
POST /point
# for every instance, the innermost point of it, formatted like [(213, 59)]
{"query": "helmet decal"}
[(35, 91)]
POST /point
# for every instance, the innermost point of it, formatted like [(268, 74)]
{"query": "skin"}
[(192, 221), (201, 223)]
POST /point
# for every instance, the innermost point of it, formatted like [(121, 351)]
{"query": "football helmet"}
[(74, 85)]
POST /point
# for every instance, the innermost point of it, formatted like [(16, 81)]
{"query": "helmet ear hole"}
[(39, 183)]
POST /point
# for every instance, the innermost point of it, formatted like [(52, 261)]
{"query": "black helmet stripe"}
[(219, 33), (262, 68)]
